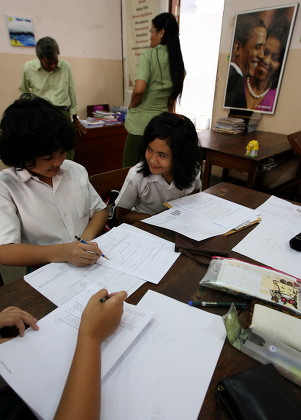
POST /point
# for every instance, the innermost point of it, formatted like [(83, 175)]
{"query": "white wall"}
[(88, 29)]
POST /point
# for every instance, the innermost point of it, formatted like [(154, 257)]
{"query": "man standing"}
[(50, 78), (249, 40)]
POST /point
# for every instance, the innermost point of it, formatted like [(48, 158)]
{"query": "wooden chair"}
[(107, 181), (291, 189)]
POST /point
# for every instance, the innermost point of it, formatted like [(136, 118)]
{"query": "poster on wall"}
[(139, 15), (20, 31), (260, 46)]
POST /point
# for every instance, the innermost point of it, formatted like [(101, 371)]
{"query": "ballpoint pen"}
[(84, 242), (102, 300), (220, 304)]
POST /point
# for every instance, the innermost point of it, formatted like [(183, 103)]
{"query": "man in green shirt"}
[(50, 78)]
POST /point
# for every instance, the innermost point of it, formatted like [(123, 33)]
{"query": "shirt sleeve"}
[(10, 227), (129, 192), (24, 85), (72, 95), (96, 203), (144, 67)]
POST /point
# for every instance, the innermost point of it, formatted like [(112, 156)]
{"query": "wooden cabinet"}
[(101, 148)]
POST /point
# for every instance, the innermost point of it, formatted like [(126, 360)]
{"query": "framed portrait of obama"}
[(260, 46)]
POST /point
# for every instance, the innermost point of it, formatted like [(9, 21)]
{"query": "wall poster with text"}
[(139, 15), (260, 47)]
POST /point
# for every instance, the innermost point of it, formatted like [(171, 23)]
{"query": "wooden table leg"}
[(252, 176), (206, 175)]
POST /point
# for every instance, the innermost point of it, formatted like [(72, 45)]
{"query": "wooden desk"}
[(181, 283), (228, 152), (101, 148)]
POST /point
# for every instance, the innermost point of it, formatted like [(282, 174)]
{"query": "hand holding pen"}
[(102, 314), (87, 243)]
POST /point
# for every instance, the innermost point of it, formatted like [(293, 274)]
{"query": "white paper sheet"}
[(189, 224), (139, 253), (281, 214), (36, 365), (167, 373), (59, 282), (270, 246), (216, 209)]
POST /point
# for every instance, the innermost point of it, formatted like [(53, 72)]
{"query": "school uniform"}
[(146, 194)]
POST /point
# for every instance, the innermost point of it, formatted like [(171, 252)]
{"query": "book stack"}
[(229, 125), (109, 118), (92, 122)]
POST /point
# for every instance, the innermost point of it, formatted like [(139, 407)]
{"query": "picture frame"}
[(260, 46)]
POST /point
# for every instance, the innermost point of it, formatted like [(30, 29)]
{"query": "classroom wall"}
[(286, 119), (89, 36)]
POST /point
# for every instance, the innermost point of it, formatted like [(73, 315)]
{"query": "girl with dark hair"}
[(169, 169), (159, 82), (45, 200)]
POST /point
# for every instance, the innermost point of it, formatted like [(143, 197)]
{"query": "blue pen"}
[(84, 242)]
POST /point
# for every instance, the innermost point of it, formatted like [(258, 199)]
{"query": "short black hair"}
[(245, 24), (180, 134), (47, 47), (32, 127)]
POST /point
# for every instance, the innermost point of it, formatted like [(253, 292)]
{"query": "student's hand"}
[(15, 316), (100, 320), (81, 254), (80, 129)]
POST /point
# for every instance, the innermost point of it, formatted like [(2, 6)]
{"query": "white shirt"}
[(146, 194), (35, 213)]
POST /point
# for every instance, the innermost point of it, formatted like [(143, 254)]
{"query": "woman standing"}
[(159, 81)]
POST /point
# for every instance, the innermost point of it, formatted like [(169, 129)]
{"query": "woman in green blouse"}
[(159, 81)]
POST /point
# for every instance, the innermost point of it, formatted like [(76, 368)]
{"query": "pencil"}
[(84, 242), (220, 304)]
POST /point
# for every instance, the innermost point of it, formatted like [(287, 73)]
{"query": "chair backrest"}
[(295, 142), (107, 181)]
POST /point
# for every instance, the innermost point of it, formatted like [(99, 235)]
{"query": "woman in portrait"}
[(261, 88)]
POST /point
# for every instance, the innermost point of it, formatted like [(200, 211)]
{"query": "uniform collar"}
[(39, 65), (161, 181), (24, 175)]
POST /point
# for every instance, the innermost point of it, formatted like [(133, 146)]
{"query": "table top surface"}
[(181, 283), (270, 144)]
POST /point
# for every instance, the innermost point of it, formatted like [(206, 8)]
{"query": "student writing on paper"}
[(45, 200), (169, 168), (81, 396)]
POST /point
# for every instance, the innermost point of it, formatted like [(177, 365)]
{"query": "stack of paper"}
[(229, 125), (268, 243), (92, 123), (136, 252), (164, 371), (109, 118), (201, 216), (135, 256), (36, 365)]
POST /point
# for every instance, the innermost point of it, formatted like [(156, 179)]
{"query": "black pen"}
[(84, 242), (102, 300), (220, 304)]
